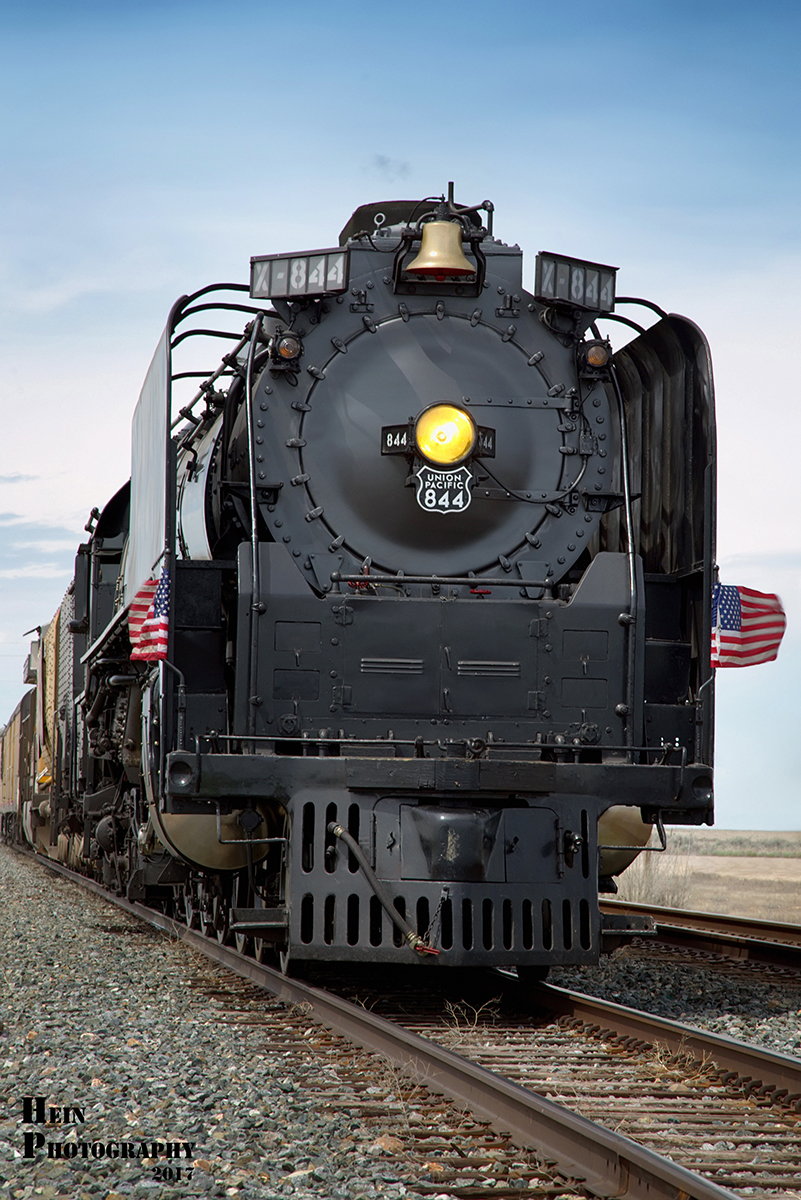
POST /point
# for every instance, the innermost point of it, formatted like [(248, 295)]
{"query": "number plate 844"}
[(443, 491)]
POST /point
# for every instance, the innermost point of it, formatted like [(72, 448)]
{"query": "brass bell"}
[(441, 252)]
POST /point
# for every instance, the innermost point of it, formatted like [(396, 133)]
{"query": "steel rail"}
[(609, 1164), (763, 1071), (773, 942)]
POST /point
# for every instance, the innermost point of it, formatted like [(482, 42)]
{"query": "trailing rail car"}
[(394, 648)]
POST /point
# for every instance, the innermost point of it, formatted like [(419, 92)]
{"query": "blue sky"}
[(150, 149)]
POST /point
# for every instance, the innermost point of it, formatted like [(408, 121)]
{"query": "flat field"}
[(744, 873)]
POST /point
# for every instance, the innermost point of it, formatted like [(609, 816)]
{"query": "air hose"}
[(413, 939)]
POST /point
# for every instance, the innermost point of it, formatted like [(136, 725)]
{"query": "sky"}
[(151, 148)]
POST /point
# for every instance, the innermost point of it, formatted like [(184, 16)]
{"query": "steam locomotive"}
[(395, 647)]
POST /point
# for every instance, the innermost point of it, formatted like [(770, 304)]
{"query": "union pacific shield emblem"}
[(443, 491)]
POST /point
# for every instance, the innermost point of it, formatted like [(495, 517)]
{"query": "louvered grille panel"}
[(488, 669), (392, 666)]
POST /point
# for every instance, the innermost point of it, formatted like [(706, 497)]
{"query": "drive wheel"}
[(221, 919), (263, 952), (206, 910), (191, 906), (286, 964), (272, 882), (243, 898)]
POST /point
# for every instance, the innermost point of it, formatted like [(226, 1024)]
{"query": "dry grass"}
[(749, 843), (464, 1022), (743, 873), (657, 878)]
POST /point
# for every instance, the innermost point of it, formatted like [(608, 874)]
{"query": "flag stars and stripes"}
[(747, 626), (149, 619)]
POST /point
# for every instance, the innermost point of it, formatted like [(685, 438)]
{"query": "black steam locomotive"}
[(396, 645)]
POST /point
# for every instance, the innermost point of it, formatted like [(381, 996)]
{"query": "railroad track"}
[(756, 1071), (773, 943), (508, 1071), (709, 1101)]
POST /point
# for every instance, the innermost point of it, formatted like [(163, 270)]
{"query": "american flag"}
[(149, 619), (747, 626)]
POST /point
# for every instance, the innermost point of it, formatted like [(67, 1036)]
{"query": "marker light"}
[(289, 347), (444, 434), (597, 354)]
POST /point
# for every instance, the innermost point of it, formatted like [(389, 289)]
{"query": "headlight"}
[(444, 434)]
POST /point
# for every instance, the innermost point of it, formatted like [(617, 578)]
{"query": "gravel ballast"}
[(156, 1046), (762, 1007)]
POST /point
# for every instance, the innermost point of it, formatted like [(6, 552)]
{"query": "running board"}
[(265, 922), (621, 925)]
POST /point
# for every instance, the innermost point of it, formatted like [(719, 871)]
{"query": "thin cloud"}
[(35, 551), (34, 571), (775, 560), (46, 545), (18, 479), (389, 168)]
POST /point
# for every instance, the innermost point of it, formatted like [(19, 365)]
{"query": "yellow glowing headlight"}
[(444, 434)]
